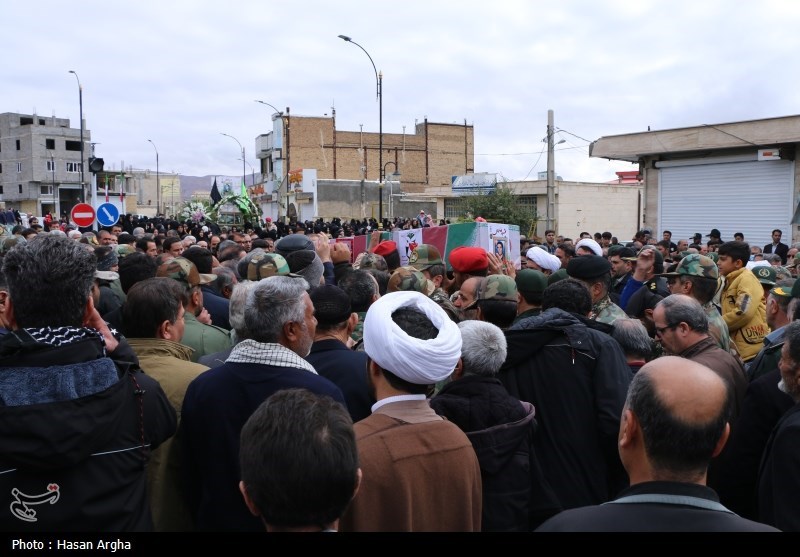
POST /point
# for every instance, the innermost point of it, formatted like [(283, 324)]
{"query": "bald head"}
[(682, 409)]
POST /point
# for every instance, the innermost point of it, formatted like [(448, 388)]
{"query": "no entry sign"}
[(82, 214)]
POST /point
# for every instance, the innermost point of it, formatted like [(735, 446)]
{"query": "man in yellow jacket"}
[(742, 300)]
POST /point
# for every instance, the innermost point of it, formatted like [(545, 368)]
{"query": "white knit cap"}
[(590, 244), (422, 362), (543, 259)]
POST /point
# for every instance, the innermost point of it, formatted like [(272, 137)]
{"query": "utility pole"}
[(551, 195)]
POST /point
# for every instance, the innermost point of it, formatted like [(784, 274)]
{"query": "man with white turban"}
[(540, 260), (420, 471), (587, 246)]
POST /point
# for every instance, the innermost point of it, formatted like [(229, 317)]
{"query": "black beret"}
[(587, 267), (293, 242)]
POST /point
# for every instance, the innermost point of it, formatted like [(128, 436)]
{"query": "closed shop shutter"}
[(751, 197)]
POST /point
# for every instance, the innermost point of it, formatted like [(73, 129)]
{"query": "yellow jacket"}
[(745, 312)]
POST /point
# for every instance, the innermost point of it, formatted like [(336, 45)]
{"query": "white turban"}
[(543, 259), (753, 264), (590, 244), (422, 362)]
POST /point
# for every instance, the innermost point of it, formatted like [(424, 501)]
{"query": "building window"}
[(17, 144), (72, 145), (19, 167), (73, 167), (527, 203), (50, 143), (46, 189), (51, 166), (454, 208), (1, 167), (20, 188), (1, 190)]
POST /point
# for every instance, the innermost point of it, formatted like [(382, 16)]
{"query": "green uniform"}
[(527, 313), (204, 339)]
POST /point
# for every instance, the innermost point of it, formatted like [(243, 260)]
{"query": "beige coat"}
[(168, 363)]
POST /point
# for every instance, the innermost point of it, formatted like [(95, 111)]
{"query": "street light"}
[(379, 82), (269, 105), (80, 103), (244, 170), (251, 170), (395, 177), (158, 180)]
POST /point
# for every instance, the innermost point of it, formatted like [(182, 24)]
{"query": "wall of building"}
[(582, 207), (429, 157)]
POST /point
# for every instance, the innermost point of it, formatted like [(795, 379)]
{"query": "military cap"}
[(641, 300), (714, 233), (497, 287), (783, 291), (373, 261), (11, 241), (410, 280), (765, 274), (385, 248), (424, 256), (263, 265), (331, 304), (623, 252), (695, 265), (697, 237), (657, 258), (531, 281), (587, 267), (467, 259), (183, 270), (293, 242), (561, 274), (125, 249)]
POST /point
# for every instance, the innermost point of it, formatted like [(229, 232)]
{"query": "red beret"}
[(469, 259), (385, 248)]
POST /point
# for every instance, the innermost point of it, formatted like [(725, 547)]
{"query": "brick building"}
[(426, 159)]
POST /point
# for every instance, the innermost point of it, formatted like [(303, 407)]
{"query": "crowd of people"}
[(183, 377)]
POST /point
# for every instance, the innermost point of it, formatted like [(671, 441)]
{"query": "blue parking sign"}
[(107, 214)]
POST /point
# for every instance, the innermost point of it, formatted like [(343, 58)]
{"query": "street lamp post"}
[(253, 172), (280, 114), (379, 83), (395, 176), (158, 181), (244, 170), (80, 104)]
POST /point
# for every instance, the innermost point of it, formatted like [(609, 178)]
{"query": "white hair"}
[(483, 347)]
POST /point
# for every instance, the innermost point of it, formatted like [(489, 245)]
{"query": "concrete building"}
[(591, 207), (736, 177), (40, 163), (428, 158)]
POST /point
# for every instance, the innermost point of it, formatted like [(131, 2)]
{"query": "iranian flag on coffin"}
[(502, 239), (358, 244)]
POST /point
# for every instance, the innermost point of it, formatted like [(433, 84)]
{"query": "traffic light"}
[(95, 164)]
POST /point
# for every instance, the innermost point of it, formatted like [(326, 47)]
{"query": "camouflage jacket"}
[(717, 327), (358, 332), (606, 311), (440, 297)]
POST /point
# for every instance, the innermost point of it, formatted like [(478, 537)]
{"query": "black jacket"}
[(516, 495), (76, 431), (577, 378)]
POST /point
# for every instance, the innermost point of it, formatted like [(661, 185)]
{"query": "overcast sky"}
[(183, 72)]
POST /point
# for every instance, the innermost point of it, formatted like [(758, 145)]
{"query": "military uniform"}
[(717, 327), (606, 311)]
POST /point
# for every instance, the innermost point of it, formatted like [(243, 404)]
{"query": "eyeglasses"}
[(660, 330)]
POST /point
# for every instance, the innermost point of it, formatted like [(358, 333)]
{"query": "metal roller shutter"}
[(752, 197)]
